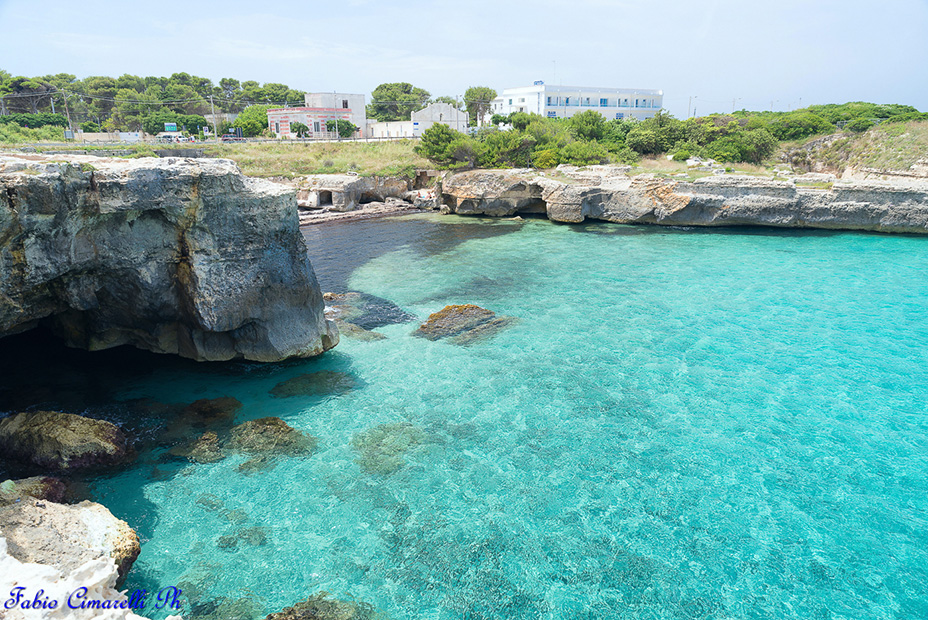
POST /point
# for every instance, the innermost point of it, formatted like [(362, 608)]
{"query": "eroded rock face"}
[(608, 194), (345, 192), (178, 256), (61, 441), (66, 536)]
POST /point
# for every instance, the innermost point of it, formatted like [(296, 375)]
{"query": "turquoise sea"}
[(692, 423)]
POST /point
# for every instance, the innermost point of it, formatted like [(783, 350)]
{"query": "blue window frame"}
[(604, 103)]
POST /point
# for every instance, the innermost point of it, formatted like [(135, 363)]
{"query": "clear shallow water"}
[(701, 424)]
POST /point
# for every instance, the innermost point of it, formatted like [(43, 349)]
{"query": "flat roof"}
[(577, 89)]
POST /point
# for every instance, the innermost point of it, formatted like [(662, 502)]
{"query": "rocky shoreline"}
[(607, 193)]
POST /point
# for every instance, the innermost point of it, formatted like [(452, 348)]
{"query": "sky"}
[(706, 56)]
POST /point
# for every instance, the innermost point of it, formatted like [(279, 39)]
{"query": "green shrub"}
[(34, 121), (546, 158), (859, 125), (584, 154)]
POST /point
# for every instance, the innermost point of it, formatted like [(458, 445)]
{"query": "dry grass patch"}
[(393, 158)]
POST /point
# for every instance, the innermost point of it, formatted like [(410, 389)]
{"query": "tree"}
[(299, 129), (477, 99), (587, 125), (435, 142), (454, 103), (396, 101), (22, 94), (252, 120), (346, 129)]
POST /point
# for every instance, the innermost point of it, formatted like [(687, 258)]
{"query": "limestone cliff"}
[(171, 255), (606, 193)]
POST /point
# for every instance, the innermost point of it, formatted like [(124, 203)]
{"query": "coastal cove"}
[(679, 423)]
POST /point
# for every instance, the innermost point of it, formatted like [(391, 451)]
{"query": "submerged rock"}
[(320, 383), (66, 536), (364, 310), (270, 436), (38, 487), (357, 333), (206, 413), (463, 324), (61, 441), (205, 449), (209, 410), (320, 607), (382, 447), (180, 256)]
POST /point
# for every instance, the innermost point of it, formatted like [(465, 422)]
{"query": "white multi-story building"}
[(565, 101)]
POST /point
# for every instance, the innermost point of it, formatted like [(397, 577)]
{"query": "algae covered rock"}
[(200, 415), (205, 449), (364, 310), (38, 487), (270, 436), (381, 448), (61, 441), (320, 383), (462, 324), (66, 536), (357, 333), (320, 607), (209, 410)]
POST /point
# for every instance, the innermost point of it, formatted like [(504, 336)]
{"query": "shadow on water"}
[(338, 248)]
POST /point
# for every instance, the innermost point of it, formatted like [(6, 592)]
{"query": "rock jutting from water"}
[(61, 441), (180, 256), (462, 324), (608, 193)]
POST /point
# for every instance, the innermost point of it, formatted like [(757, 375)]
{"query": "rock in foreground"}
[(178, 256), (98, 576), (66, 536), (61, 441)]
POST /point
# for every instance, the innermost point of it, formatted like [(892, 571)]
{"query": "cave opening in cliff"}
[(325, 198), (368, 197)]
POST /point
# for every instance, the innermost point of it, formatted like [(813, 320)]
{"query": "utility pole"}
[(213, 112), (689, 107)]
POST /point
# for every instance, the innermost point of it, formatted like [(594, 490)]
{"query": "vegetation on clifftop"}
[(587, 138)]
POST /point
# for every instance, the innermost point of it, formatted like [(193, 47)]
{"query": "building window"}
[(566, 100), (604, 103), (345, 103), (510, 102), (587, 101), (316, 127), (522, 100), (276, 127), (549, 100)]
